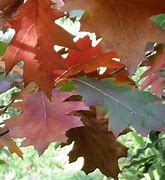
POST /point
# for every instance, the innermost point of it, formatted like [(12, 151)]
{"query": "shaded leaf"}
[(96, 145), (149, 145), (3, 47), (142, 162), (2, 162)]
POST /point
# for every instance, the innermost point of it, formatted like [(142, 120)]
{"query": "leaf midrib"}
[(109, 96)]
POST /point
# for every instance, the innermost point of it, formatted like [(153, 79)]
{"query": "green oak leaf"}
[(142, 110)]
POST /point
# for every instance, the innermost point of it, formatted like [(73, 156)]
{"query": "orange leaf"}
[(104, 60), (85, 52), (36, 34)]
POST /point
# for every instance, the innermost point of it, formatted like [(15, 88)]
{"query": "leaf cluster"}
[(64, 94)]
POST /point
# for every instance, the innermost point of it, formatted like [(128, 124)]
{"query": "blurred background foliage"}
[(146, 155)]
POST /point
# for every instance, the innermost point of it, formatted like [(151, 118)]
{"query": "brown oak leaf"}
[(96, 145)]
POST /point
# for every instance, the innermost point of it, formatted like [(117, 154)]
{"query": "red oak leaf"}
[(125, 26), (36, 34), (85, 52), (102, 60), (156, 82), (43, 121), (153, 75), (88, 59)]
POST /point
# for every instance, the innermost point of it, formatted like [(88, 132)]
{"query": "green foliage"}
[(145, 158), (3, 47), (53, 164), (159, 20)]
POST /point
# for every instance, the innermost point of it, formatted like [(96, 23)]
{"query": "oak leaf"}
[(85, 52), (125, 26), (153, 75), (36, 34), (88, 59), (120, 75), (96, 145), (43, 121), (142, 110), (156, 82), (103, 60)]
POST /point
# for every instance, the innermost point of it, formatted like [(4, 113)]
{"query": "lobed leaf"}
[(153, 74), (125, 26), (43, 121), (96, 145), (36, 34), (142, 110)]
